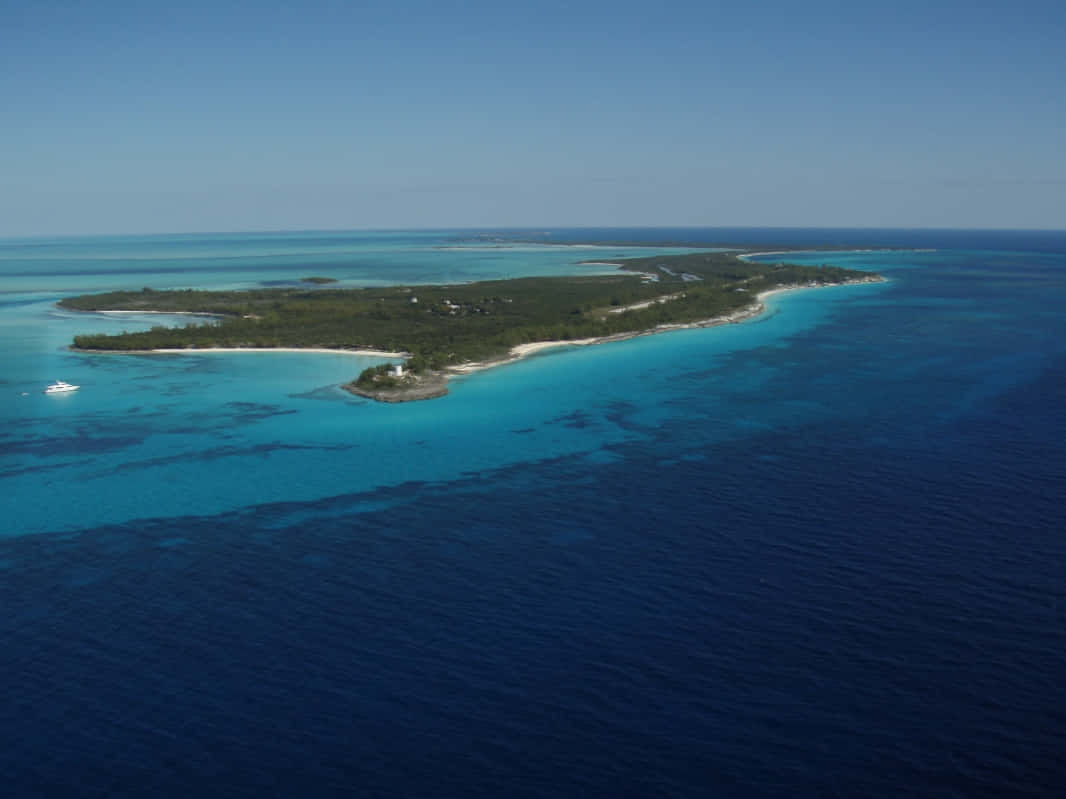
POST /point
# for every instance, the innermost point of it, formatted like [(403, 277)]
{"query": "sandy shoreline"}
[(437, 381), (751, 311), (525, 350), (519, 351)]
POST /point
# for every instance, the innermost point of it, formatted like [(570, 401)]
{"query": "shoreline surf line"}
[(757, 308), (516, 353)]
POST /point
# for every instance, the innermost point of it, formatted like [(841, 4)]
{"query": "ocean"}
[(818, 553)]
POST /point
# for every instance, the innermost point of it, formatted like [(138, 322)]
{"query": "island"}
[(438, 331)]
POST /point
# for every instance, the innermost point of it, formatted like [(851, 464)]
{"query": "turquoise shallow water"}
[(262, 259), (818, 553), (172, 435)]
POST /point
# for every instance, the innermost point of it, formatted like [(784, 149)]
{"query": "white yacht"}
[(59, 387)]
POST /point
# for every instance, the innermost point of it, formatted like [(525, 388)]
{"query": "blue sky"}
[(135, 117)]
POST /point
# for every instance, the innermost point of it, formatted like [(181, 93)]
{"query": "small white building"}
[(397, 370)]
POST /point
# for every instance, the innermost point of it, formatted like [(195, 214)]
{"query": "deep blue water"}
[(821, 553)]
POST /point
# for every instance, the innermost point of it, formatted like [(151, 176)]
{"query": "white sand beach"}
[(521, 351), (748, 312)]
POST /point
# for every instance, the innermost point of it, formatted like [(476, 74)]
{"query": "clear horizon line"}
[(523, 228)]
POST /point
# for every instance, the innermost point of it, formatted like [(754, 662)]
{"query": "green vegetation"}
[(447, 325), (383, 384), (378, 377)]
